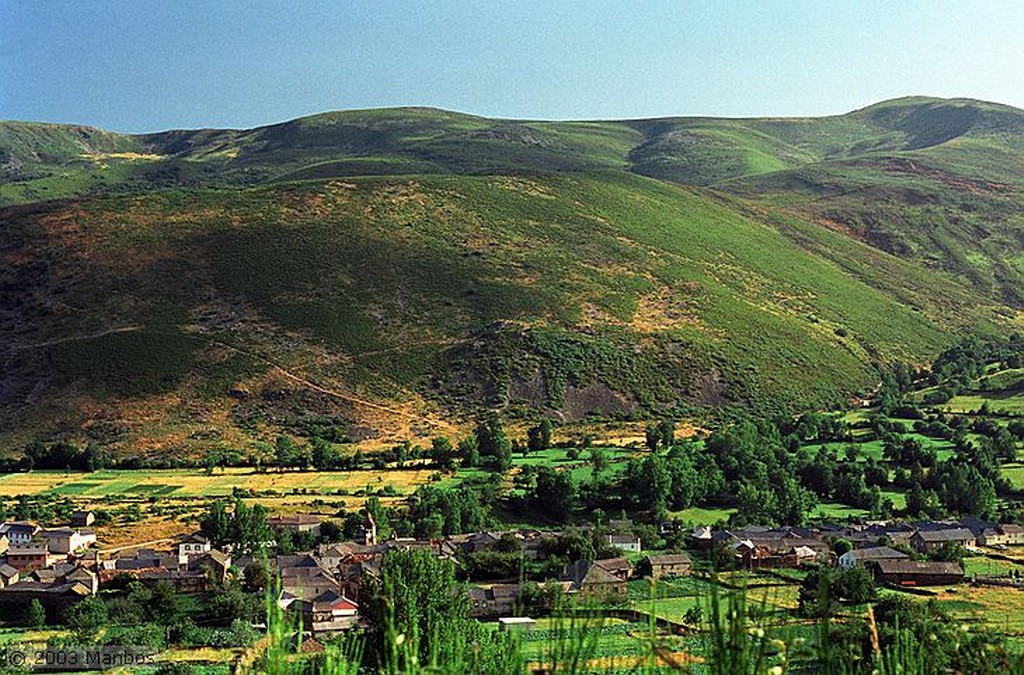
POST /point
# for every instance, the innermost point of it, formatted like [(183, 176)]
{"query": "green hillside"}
[(392, 273)]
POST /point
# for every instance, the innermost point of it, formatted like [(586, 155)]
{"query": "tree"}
[(324, 456), (598, 460), (539, 437), (667, 433), (286, 452), (503, 460), (35, 614), (413, 597), (823, 587), (442, 453), (469, 451), (87, 615), (652, 438), (245, 528), (555, 493), (256, 576), (216, 524)]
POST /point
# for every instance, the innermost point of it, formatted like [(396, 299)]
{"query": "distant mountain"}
[(392, 273)]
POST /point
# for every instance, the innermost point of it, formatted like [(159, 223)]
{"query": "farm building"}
[(590, 578), (919, 573), (926, 541), (297, 523), (666, 565), (510, 623)]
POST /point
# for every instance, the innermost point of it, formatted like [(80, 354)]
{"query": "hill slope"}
[(381, 274)]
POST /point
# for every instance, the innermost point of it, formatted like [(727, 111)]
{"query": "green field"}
[(1009, 402), (1014, 472)]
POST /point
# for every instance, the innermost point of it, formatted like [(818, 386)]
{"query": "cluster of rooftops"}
[(61, 565)]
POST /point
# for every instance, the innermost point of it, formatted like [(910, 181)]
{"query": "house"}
[(778, 549), (31, 556), (665, 565), (494, 600), (620, 567), (589, 578), (214, 563), (860, 556), (327, 612), (926, 541), (307, 583), (350, 576), (67, 540), (702, 537), (54, 597), (477, 541), (5, 543), (19, 533), (331, 556), (84, 577), (918, 573), (8, 576), (624, 542), (192, 545), (1002, 535), (143, 558), (334, 605), (83, 519), (332, 611), (295, 524)]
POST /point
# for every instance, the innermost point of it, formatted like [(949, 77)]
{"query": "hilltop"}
[(392, 273)]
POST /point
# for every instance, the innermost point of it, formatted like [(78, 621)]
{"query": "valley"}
[(555, 338)]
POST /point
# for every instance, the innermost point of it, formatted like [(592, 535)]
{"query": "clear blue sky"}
[(140, 65)]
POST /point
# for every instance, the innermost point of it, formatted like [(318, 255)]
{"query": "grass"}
[(1014, 472), (702, 515), (1009, 401)]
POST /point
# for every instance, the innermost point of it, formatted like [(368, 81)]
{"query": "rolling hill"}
[(387, 274)]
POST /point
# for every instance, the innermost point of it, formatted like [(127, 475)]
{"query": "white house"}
[(19, 533), (859, 556), (625, 542), (192, 546), (67, 540)]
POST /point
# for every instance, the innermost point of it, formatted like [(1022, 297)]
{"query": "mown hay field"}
[(196, 483)]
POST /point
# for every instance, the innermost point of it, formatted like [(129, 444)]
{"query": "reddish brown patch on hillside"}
[(975, 186), (841, 228)]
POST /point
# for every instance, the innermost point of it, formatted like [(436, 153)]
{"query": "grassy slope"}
[(503, 263), (392, 289)]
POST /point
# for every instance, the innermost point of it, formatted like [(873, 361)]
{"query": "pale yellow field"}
[(195, 483)]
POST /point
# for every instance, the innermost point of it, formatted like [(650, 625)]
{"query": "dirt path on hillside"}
[(144, 544), (78, 338), (348, 398)]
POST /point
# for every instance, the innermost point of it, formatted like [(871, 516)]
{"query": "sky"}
[(142, 65)]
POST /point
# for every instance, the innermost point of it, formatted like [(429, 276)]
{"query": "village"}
[(58, 567)]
